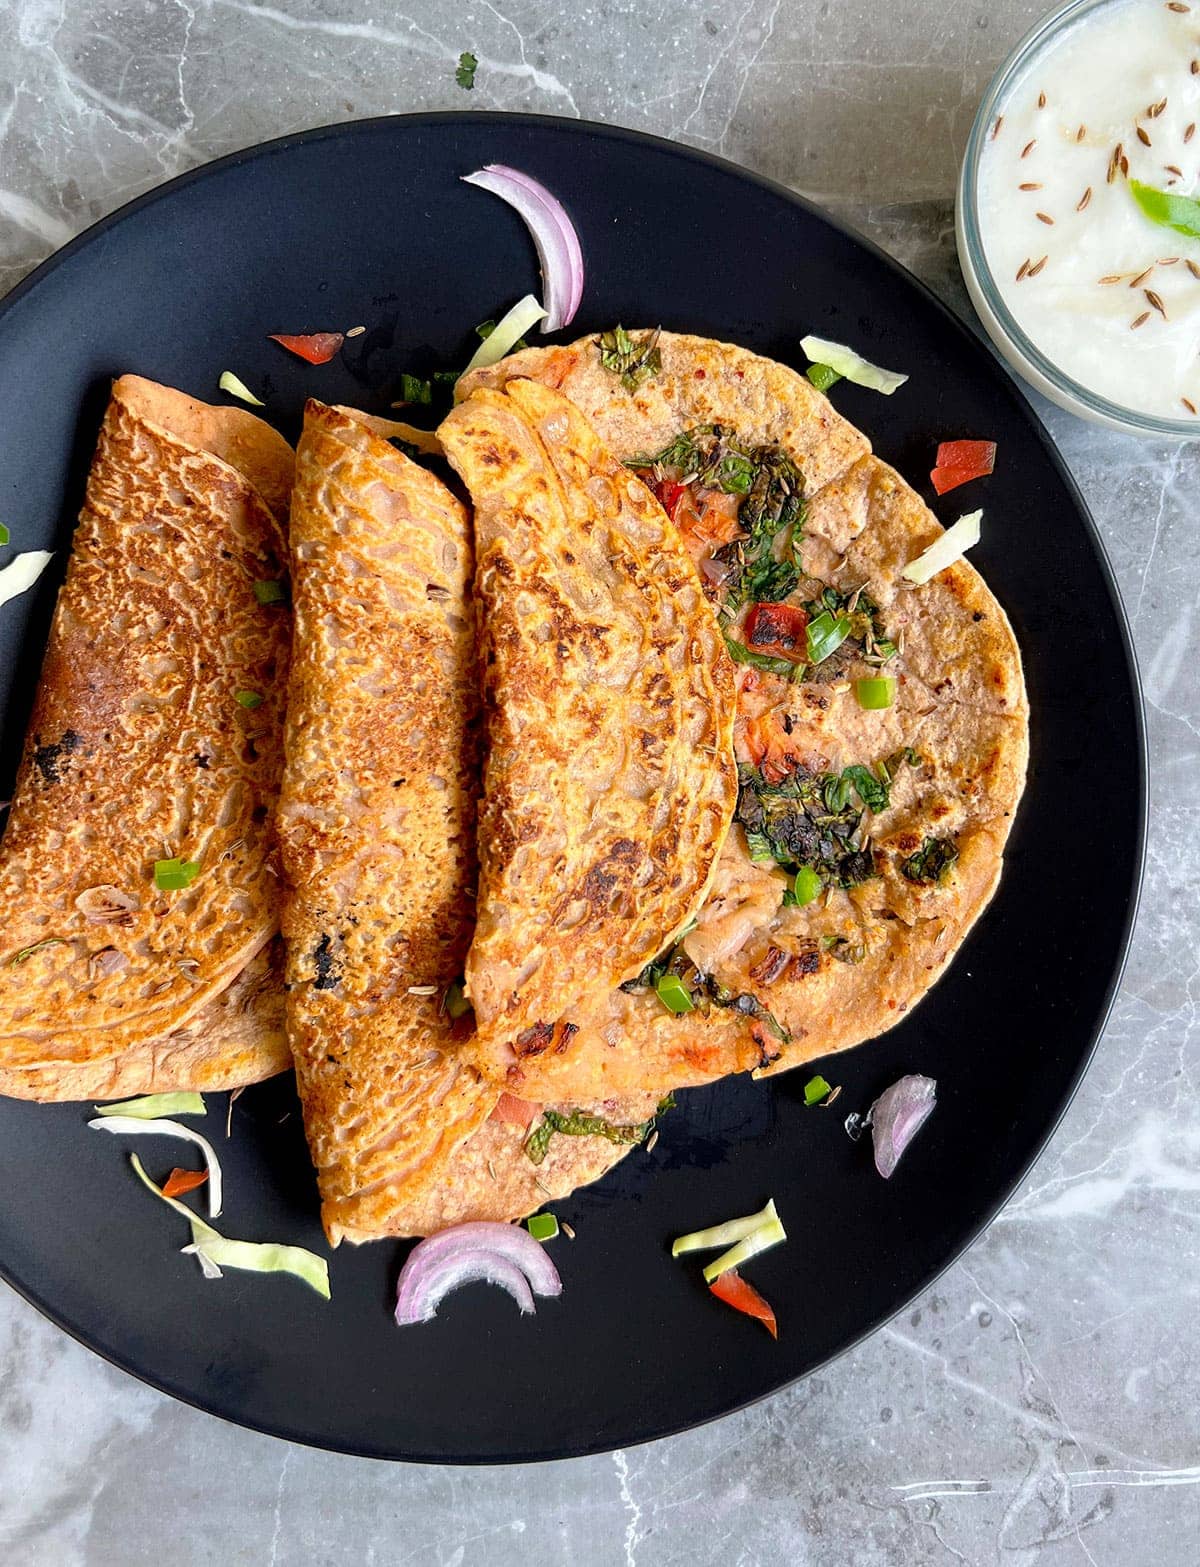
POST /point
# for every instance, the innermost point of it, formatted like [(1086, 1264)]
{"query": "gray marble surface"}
[(1039, 1404)]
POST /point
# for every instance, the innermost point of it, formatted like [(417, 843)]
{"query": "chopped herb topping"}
[(711, 456), (843, 949), (811, 820), (741, 654), (270, 592), (846, 624), (634, 359), (930, 864), (175, 875), (464, 73), (578, 1123), (249, 699)]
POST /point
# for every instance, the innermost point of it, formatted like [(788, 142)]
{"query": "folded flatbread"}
[(156, 734), (377, 828), (609, 784), (902, 812)]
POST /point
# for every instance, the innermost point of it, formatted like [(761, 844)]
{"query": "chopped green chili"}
[(174, 875), (542, 1226), (815, 1090), (875, 692)]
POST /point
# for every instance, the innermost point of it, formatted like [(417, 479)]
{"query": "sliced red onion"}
[(502, 1254), (559, 254), (716, 571), (897, 1116)]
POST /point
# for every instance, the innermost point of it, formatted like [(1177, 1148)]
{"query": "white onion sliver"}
[(897, 1116), (508, 329), (419, 1303), (953, 545), (559, 253), (129, 1126), (22, 572)]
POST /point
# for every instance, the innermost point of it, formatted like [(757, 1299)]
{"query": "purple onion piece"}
[(716, 571), (502, 1254), (554, 237), (422, 1290), (897, 1116)]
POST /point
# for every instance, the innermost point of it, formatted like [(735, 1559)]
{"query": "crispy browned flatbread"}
[(139, 750), (609, 784), (237, 1039), (377, 824), (848, 965)]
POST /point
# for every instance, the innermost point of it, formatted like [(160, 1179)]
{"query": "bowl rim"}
[(1043, 33)]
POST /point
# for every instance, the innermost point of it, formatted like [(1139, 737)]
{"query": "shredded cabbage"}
[(213, 1250), (22, 572), (253, 1257), (724, 1234), (851, 365), (943, 552), (127, 1125), (154, 1105), (523, 315), (236, 387), (766, 1235)]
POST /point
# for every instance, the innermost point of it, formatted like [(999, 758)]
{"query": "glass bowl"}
[(1010, 339)]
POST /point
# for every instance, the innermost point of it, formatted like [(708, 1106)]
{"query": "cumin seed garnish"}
[(1023, 269), (1030, 185), (1028, 147), (1188, 404), (1143, 135), (1193, 267), (1113, 277), (567, 1230), (1084, 199), (1178, 7), (1196, 67), (996, 127), (1155, 109), (1081, 133), (1189, 133), (1167, 261), (1141, 321), (1124, 165), (1044, 217), (1141, 278), (1041, 100), (1155, 302), (1171, 168), (1037, 266)]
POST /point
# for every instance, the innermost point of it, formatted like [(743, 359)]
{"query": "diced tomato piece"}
[(777, 630), (669, 495), (181, 1181), (719, 516), (958, 462), (767, 747), (734, 1291), (513, 1111), (317, 348)]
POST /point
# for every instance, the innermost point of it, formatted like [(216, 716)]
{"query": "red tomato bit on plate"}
[(732, 1288), (181, 1181), (958, 462), (316, 348)]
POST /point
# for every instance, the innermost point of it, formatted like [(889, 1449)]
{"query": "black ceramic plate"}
[(368, 223)]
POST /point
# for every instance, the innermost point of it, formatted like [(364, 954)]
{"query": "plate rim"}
[(957, 326)]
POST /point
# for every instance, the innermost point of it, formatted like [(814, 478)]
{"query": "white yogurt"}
[(1107, 295)]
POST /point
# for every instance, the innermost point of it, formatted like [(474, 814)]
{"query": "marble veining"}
[(1040, 1403)]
